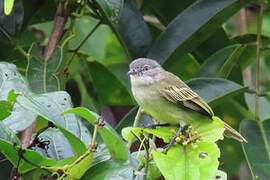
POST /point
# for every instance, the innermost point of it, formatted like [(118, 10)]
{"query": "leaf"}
[(111, 170), (114, 93), (257, 150), (10, 79), (58, 146), (264, 104), (130, 28), (108, 134), (7, 134), (50, 106), (210, 131), (232, 112), (8, 6), (200, 163), (249, 54), (221, 63), (12, 155), (164, 11), (215, 42), (134, 31), (184, 66), (214, 90), (95, 46), (40, 73), (10, 23), (205, 17)]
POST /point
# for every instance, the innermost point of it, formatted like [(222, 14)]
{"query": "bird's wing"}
[(182, 94)]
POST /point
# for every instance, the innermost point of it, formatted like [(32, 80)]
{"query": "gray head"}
[(143, 66)]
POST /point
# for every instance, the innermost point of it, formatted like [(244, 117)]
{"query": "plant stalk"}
[(258, 43)]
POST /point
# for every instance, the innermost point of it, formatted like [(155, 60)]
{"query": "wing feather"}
[(185, 96)]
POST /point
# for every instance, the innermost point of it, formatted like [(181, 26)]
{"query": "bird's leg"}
[(173, 139)]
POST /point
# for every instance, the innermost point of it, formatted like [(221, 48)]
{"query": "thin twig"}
[(258, 43), (82, 42)]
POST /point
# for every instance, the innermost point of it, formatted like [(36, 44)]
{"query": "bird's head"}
[(144, 70)]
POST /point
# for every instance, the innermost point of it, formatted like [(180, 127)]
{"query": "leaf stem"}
[(258, 43)]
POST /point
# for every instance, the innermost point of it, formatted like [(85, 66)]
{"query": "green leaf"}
[(203, 23), (108, 134), (165, 11), (264, 104), (130, 29), (215, 42), (50, 106), (7, 134), (8, 6), (111, 170), (40, 73), (184, 66), (114, 93), (191, 164), (210, 131), (214, 90), (12, 155), (257, 150), (134, 31), (232, 112), (10, 79), (5, 109), (221, 63), (59, 147), (95, 46)]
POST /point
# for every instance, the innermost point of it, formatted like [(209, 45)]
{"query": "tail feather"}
[(231, 133)]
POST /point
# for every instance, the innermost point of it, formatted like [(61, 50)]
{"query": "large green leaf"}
[(96, 44), (108, 134), (11, 153), (130, 28), (221, 63), (257, 150), (134, 31), (7, 134), (184, 66), (40, 73), (210, 131), (204, 17), (50, 106), (111, 170), (214, 90), (165, 11), (111, 91), (10, 79), (215, 42), (188, 163), (232, 112)]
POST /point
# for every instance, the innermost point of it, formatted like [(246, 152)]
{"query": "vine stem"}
[(82, 42), (258, 45)]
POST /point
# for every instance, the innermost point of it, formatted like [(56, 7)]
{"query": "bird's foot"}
[(184, 136)]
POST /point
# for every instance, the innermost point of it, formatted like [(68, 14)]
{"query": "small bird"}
[(167, 98)]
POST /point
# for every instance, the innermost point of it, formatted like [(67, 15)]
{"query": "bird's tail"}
[(231, 133)]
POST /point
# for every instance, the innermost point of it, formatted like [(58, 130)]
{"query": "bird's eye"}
[(146, 68)]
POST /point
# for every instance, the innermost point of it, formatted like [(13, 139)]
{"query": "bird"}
[(166, 98)]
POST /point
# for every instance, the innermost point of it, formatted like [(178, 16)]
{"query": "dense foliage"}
[(66, 107)]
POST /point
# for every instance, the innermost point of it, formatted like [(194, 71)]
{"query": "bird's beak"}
[(131, 72)]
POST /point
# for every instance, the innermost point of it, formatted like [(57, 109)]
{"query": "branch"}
[(60, 19), (258, 43)]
